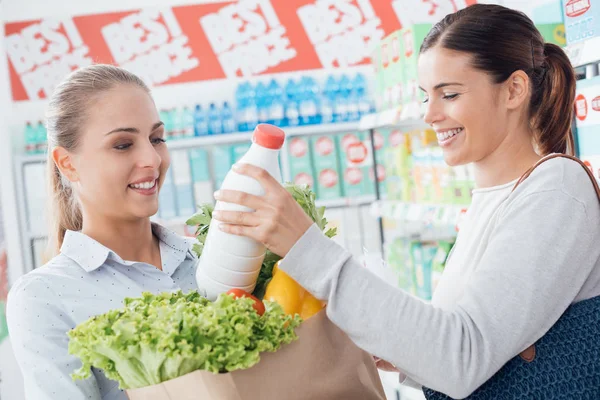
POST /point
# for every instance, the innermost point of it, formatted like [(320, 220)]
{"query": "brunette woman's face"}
[(461, 105)]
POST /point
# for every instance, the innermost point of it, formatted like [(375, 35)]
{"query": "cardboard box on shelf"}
[(423, 255), (553, 33), (587, 110), (167, 198), (300, 162), (182, 180), (203, 186), (354, 174), (325, 154), (582, 19), (439, 262), (412, 38), (222, 160)]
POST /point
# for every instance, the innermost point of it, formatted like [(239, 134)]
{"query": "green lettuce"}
[(159, 337), (303, 195)]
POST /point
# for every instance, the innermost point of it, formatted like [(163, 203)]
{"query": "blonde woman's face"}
[(122, 158)]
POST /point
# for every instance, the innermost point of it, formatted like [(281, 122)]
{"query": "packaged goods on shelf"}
[(582, 20), (587, 110)]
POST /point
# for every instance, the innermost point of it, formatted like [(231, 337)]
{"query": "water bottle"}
[(188, 122), (353, 106), (330, 93), (251, 108), (262, 102), (227, 118), (214, 120), (277, 108), (178, 126), (168, 120), (292, 110), (30, 139), (200, 122), (342, 99), (304, 101), (365, 105), (230, 261), (241, 103), (41, 144)]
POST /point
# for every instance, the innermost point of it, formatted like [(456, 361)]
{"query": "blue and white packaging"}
[(582, 19), (182, 179)]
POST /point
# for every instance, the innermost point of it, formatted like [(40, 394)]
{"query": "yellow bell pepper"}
[(292, 297)]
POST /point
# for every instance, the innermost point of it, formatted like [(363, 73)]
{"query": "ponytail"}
[(64, 213), (555, 100)]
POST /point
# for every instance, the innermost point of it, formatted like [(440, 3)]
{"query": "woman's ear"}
[(64, 162), (517, 86)]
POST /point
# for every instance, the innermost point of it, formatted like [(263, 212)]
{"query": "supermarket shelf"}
[(334, 203), (401, 117), (31, 158), (418, 220), (346, 202), (229, 138), (36, 236), (584, 53)]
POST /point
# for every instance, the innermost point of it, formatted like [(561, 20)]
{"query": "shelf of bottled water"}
[(293, 103)]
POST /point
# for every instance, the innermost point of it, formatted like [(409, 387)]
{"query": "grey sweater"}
[(520, 260)]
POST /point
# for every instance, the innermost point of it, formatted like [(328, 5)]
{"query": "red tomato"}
[(258, 305)]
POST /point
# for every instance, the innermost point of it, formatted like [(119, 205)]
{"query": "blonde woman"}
[(106, 164)]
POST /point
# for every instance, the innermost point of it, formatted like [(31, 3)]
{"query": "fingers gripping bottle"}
[(230, 261)]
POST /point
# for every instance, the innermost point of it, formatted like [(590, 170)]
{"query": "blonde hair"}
[(66, 114)]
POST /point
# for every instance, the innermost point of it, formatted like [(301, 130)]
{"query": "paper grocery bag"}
[(323, 364)]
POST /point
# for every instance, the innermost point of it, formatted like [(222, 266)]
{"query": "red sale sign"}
[(207, 41)]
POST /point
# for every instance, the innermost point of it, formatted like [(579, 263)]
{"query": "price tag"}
[(388, 117), (414, 213), (575, 53), (367, 122)]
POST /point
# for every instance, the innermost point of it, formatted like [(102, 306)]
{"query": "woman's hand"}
[(278, 221)]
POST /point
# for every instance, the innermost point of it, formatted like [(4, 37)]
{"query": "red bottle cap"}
[(269, 136)]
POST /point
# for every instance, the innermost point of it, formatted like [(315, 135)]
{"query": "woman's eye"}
[(123, 146), (450, 96), (425, 101), (158, 140)]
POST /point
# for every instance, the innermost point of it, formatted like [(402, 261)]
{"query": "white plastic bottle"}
[(230, 261)]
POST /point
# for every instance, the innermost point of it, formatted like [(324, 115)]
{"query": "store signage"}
[(328, 178), (248, 38), (575, 8), (171, 45), (151, 44), (596, 103), (325, 145), (41, 53), (581, 107), (343, 32)]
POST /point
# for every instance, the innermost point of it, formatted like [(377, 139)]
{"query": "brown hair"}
[(65, 116), (503, 41)]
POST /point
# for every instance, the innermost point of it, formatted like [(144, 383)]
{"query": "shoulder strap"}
[(550, 157), (528, 355)]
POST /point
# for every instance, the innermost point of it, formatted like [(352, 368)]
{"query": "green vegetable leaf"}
[(158, 337)]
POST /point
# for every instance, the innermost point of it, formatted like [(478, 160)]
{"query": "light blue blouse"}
[(84, 280)]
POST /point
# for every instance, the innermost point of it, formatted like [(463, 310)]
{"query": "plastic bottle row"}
[(302, 102), (188, 122), (35, 138)]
